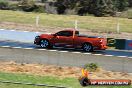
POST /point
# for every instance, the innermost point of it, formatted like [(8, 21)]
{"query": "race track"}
[(117, 53), (27, 52), (63, 58)]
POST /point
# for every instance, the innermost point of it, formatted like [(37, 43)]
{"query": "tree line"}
[(96, 7), (80, 7)]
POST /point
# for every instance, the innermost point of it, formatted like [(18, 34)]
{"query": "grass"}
[(105, 24), (68, 82)]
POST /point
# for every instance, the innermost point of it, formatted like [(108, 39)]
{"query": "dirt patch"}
[(52, 70), (28, 27)]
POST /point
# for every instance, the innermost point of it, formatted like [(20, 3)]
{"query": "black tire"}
[(44, 43), (87, 47)]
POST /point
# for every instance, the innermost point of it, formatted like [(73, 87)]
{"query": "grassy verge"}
[(68, 82), (105, 24)]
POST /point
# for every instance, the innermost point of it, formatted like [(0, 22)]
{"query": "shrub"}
[(43, 1), (14, 7), (92, 67), (39, 9), (130, 14), (27, 5), (4, 5), (127, 14)]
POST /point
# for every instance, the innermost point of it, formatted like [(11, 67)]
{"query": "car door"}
[(64, 39)]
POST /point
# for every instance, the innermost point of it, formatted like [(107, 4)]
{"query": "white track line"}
[(5, 46), (17, 47), (25, 31), (129, 57), (37, 32), (76, 52), (12, 30), (28, 48), (108, 55), (97, 54), (121, 56), (52, 50), (87, 53), (63, 51), (41, 49), (2, 29)]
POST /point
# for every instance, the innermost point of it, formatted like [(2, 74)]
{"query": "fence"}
[(95, 24), (90, 23)]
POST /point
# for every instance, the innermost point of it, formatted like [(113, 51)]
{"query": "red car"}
[(71, 38)]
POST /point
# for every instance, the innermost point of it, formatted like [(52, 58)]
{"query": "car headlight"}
[(37, 37)]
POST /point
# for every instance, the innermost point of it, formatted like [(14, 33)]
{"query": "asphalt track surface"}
[(64, 58), (117, 53), (25, 40), (27, 52)]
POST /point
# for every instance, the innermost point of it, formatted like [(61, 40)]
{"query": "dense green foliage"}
[(96, 7), (29, 6), (80, 7), (92, 67), (24, 5), (4, 5)]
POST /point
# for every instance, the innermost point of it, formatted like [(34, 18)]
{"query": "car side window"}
[(65, 33), (77, 33)]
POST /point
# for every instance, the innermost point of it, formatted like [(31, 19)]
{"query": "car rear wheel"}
[(44, 43), (87, 47)]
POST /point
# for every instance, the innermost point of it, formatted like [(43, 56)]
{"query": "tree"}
[(43, 1), (27, 5), (121, 5), (62, 5), (97, 7), (4, 5), (130, 3)]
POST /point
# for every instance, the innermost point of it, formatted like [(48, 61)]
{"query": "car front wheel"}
[(44, 43)]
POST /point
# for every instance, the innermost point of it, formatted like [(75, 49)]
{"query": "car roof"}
[(70, 30)]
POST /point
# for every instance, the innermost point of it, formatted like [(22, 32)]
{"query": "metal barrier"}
[(111, 42), (123, 44), (120, 43), (128, 45)]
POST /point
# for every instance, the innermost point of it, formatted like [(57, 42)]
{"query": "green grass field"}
[(67, 82), (105, 24)]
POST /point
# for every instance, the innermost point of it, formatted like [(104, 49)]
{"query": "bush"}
[(14, 7), (39, 9), (127, 14), (43, 1), (4, 5), (27, 5), (92, 67)]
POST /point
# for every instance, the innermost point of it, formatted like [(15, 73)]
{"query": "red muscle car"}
[(71, 38)]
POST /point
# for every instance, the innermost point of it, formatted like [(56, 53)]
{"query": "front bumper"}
[(101, 47), (37, 40)]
